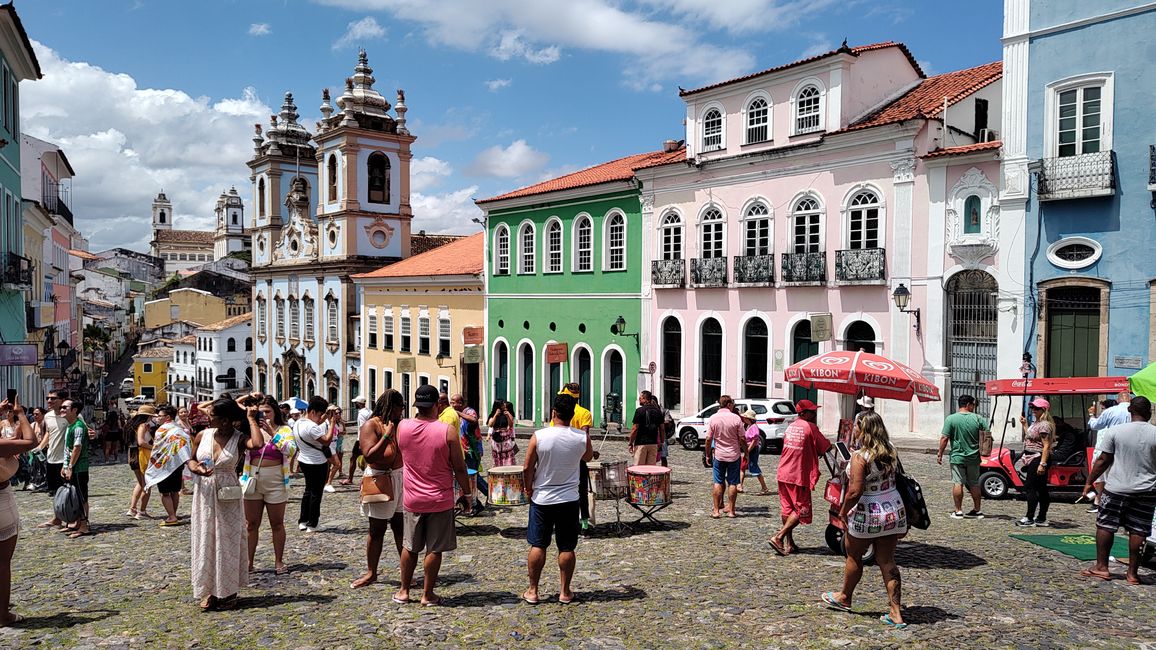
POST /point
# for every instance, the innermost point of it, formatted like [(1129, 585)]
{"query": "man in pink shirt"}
[(725, 443), (798, 473), (432, 459)]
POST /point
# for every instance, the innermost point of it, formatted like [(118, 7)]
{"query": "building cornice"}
[(470, 281), (1077, 24), (559, 198)]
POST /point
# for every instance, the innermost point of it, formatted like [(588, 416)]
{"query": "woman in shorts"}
[(754, 448), (268, 467)]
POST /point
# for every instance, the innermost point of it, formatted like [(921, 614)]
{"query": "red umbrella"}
[(856, 373)]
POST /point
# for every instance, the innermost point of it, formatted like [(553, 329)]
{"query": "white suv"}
[(774, 414)]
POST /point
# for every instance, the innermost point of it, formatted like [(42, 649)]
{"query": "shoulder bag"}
[(249, 483), (986, 441), (377, 487), (913, 503)]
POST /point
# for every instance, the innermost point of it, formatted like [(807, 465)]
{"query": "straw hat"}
[(147, 409), (749, 414)]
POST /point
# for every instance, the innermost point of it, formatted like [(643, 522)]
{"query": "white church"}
[(184, 249)]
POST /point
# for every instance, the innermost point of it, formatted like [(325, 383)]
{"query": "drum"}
[(608, 479), (648, 485), (473, 473), (507, 486)]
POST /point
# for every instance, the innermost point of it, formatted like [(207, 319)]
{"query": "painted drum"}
[(648, 485), (507, 486), (608, 479)]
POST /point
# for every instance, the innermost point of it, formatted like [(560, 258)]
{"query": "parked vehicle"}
[(126, 387), (1071, 459), (773, 416), (139, 400)]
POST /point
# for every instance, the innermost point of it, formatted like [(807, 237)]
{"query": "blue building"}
[(1079, 170)]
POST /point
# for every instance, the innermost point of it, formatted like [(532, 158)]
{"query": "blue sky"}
[(502, 93)]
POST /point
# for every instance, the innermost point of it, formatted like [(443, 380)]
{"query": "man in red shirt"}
[(798, 473)]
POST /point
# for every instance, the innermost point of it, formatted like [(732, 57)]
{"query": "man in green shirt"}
[(962, 429), (76, 460)]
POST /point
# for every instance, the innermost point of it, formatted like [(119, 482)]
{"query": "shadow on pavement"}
[(917, 555), (64, 620), (481, 599), (917, 615), (255, 602), (99, 529), (468, 529), (625, 592), (318, 566)]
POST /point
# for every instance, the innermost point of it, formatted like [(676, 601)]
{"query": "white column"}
[(901, 215), (929, 416), (646, 349)]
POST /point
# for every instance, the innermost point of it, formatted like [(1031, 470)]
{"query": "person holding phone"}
[(314, 433), (269, 468), (337, 447), (10, 448)]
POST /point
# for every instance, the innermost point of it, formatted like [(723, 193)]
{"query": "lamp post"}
[(902, 298), (618, 328)]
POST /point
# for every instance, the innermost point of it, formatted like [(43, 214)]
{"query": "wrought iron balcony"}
[(56, 199), (862, 265), (17, 272), (668, 273), (1077, 177), (804, 268), (708, 271), (1152, 168), (755, 269)]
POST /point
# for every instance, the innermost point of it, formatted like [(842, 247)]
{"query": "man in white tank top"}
[(551, 475)]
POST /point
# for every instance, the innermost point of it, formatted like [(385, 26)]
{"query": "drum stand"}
[(617, 527), (648, 513)]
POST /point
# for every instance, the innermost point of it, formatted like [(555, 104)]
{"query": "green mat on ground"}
[(1081, 547)]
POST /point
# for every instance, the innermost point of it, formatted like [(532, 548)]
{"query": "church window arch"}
[(331, 177), (378, 171), (261, 209)]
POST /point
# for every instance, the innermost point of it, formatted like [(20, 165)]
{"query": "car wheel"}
[(688, 438), (993, 484), (834, 538)]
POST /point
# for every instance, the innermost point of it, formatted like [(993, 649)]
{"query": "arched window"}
[(501, 370), (308, 318), (616, 242), (758, 121), (805, 224), (671, 236), (808, 110), (713, 235), (294, 318), (755, 345), (554, 246), (757, 231), (671, 363), (712, 130), (248, 344), (161, 216), (261, 197), (972, 216), (527, 261), (331, 178), (261, 316), (231, 345), (711, 361), (280, 316), (332, 325), (502, 251), (863, 221), (584, 244), (378, 170)]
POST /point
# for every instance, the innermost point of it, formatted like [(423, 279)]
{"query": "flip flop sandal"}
[(77, 534), (530, 601), (1088, 573), (778, 548), (886, 619), (282, 571), (169, 523), (432, 603), (400, 601), (208, 603), (567, 602), (829, 599)]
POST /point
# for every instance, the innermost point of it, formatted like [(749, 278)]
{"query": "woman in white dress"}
[(219, 544), (872, 514)]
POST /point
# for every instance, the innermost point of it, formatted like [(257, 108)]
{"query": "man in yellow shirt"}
[(583, 419), (449, 415)]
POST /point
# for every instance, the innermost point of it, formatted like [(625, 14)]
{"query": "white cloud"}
[(450, 212), (744, 16), (126, 143), (360, 31), (512, 45), (817, 44), (517, 160), (260, 29), (494, 85), (427, 172)]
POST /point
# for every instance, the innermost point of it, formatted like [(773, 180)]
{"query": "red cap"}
[(806, 405)]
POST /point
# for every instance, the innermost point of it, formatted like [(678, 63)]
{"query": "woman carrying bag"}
[(266, 480), (23, 440), (1039, 438)]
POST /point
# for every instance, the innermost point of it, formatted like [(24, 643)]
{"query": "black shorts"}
[(171, 484), (53, 478), (559, 520), (1132, 511)]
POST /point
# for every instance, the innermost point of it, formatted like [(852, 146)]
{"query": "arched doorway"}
[(672, 364), (860, 337), (584, 366), (802, 347), (710, 361), (614, 374), (755, 343), (972, 323), (295, 379), (501, 370), (526, 381)]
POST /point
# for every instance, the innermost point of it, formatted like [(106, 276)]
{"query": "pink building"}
[(808, 191)]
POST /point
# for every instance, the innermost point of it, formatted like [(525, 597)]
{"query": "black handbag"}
[(913, 503)]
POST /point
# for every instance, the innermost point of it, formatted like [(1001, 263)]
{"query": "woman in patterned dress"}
[(219, 542), (872, 514), (503, 446)]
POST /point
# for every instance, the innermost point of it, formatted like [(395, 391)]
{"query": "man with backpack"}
[(963, 430)]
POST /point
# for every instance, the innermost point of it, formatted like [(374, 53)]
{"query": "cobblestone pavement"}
[(703, 583)]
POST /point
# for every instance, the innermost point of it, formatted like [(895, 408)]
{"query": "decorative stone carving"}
[(904, 170), (298, 238), (379, 232), (647, 202), (971, 248)]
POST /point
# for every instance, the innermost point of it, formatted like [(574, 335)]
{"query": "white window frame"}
[(1098, 252), (294, 318), (387, 331), (371, 339), (405, 333), (502, 250), (309, 315), (795, 214), (722, 134), (279, 315), (608, 242), (527, 257), (578, 264), (445, 334), (721, 222), (749, 220), (553, 256), (671, 224), (822, 108), (746, 113), (880, 204), (1107, 83), (333, 315), (424, 333), (262, 315)]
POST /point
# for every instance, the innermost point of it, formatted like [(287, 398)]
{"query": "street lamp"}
[(618, 328), (902, 298)]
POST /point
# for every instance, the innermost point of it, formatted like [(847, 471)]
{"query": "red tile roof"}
[(965, 149), (421, 242), (465, 256), (615, 170), (227, 323), (853, 51), (926, 99), (184, 237)]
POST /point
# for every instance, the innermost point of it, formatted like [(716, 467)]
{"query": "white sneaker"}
[(329, 488), (301, 526), (310, 530), (1024, 522)]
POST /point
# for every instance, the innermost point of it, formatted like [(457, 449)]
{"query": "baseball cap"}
[(1041, 403), (360, 399), (425, 396), (806, 405)]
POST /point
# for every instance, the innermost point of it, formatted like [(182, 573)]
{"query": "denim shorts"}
[(753, 468), (559, 521), (727, 471)]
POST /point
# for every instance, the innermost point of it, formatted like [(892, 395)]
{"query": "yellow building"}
[(193, 305), (150, 371), (421, 323)]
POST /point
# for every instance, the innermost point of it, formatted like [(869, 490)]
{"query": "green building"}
[(563, 290), (17, 63)]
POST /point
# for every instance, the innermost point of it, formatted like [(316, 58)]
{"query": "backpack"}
[(66, 503)]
